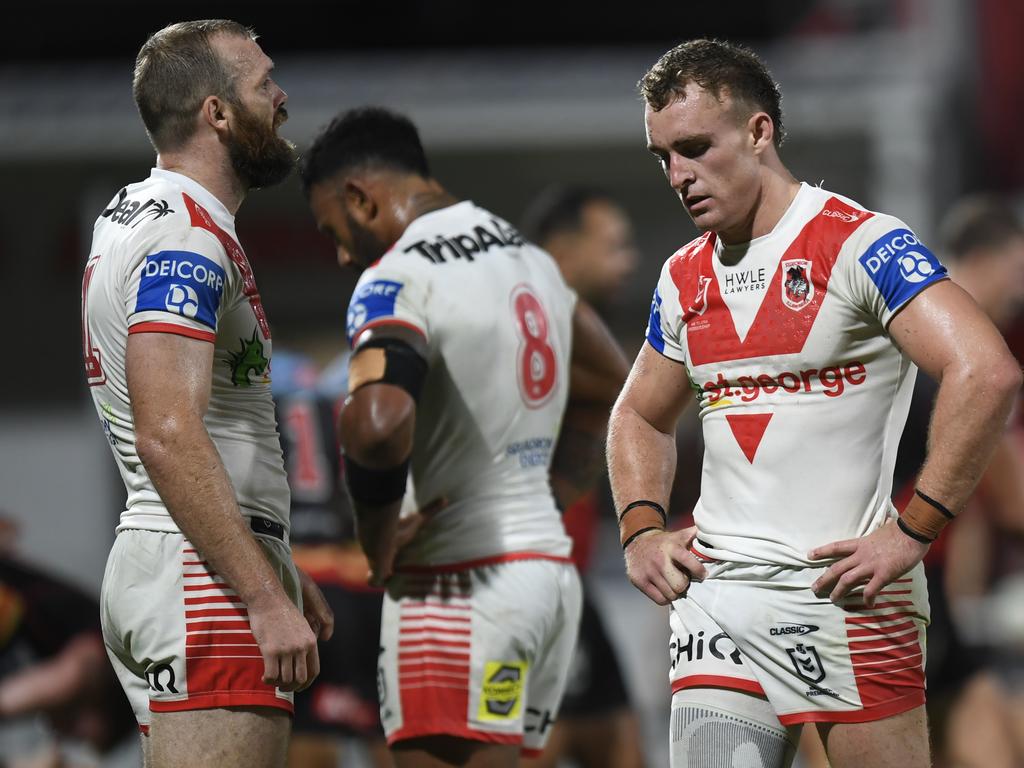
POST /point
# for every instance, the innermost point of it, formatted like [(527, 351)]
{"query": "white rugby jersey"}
[(165, 259), (802, 394), (497, 319)]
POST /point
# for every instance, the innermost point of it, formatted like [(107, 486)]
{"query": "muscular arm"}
[(376, 430), (641, 465), (598, 370), (169, 379), (948, 336)]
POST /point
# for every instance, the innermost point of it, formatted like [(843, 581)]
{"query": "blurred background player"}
[(461, 369), (342, 702), (976, 720), (53, 664), (590, 237)]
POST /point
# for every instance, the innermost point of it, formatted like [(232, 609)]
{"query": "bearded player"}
[(201, 607)]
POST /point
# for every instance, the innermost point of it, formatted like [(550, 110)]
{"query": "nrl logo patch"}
[(797, 288), (807, 663)]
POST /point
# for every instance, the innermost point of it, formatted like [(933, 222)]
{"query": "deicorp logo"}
[(898, 265), (182, 282), (369, 302)]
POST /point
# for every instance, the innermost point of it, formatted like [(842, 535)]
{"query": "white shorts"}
[(760, 629), (178, 638), (481, 653)]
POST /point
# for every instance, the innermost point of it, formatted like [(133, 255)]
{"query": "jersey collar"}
[(197, 192)]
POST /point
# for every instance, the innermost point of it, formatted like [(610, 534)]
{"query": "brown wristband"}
[(925, 517), (639, 518)]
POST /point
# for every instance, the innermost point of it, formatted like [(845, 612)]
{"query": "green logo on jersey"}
[(248, 360)]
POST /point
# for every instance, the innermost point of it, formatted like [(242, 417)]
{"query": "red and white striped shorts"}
[(760, 629), (481, 653), (177, 636)]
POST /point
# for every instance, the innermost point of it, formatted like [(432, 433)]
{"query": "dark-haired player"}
[(797, 318), (461, 371), (202, 607)]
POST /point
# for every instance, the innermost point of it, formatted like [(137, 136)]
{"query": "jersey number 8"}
[(536, 365)]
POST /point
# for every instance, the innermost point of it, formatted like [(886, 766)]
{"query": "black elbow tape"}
[(376, 487), (404, 367)]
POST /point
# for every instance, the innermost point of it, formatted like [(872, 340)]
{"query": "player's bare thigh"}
[(447, 751), (242, 737), (900, 741)]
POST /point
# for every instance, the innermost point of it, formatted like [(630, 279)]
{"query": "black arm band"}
[(912, 533), (935, 504), (645, 503), (404, 366), (629, 541), (376, 487)]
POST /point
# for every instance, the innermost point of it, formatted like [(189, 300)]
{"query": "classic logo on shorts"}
[(501, 697), (797, 288), (785, 628), (807, 663)]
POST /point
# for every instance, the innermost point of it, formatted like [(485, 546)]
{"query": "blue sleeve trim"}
[(371, 301), (183, 283), (900, 266), (655, 335)]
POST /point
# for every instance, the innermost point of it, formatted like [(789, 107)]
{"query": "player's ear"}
[(360, 201), (214, 112), (762, 131)]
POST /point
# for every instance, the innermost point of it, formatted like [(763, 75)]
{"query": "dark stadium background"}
[(900, 104)]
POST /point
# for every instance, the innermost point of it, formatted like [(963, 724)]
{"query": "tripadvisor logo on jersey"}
[(832, 381), (501, 697)]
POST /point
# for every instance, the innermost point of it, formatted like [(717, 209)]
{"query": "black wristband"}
[(935, 504), (629, 541), (376, 487), (645, 503), (912, 533)]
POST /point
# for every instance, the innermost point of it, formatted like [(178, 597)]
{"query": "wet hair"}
[(559, 209), (176, 69), (717, 67), (978, 222), (367, 137)]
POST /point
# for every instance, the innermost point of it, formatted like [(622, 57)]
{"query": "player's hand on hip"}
[(410, 524), (383, 564), (287, 644), (661, 565), (875, 561), (318, 613)]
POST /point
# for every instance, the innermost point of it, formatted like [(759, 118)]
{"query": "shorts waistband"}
[(265, 527)]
